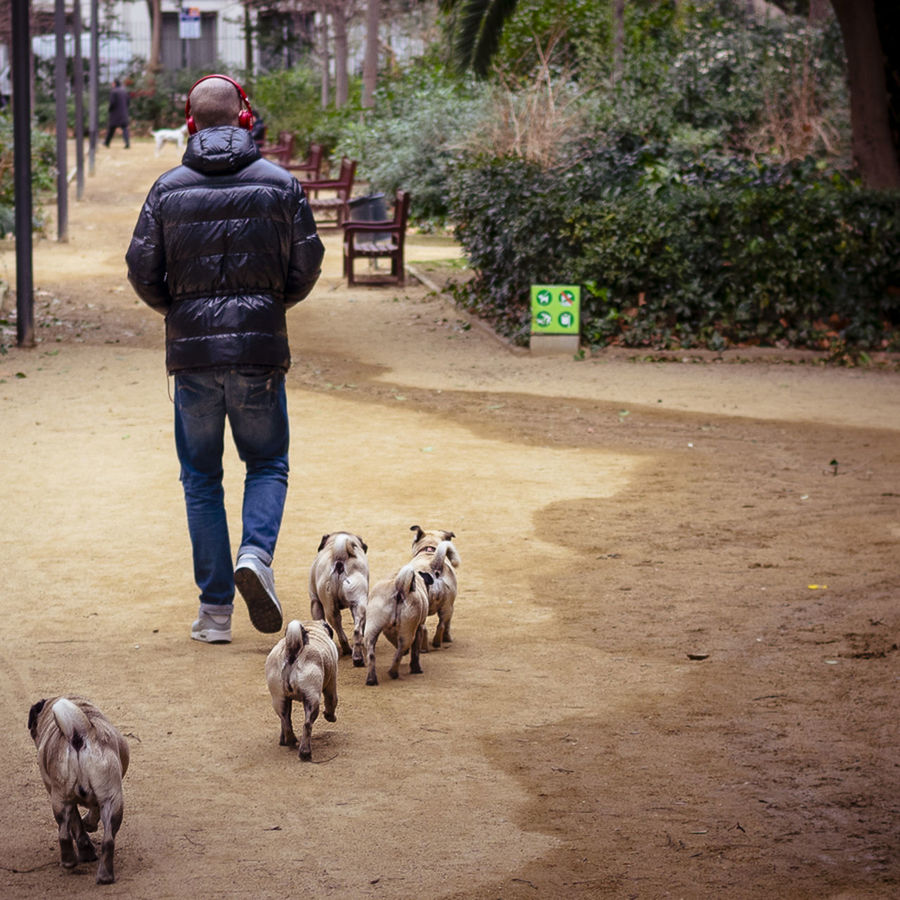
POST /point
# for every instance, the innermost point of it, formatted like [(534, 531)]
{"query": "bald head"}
[(215, 101)]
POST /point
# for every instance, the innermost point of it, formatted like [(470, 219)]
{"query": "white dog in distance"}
[(173, 135)]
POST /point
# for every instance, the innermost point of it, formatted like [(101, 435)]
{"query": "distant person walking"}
[(118, 113)]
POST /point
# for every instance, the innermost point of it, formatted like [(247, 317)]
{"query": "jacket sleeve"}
[(146, 259), (307, 252)]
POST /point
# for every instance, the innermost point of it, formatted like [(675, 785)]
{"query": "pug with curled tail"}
[(435, 553), (397, 608), (302, 666), (339, 579), (82, 759)]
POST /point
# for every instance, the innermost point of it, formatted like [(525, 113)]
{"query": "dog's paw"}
[(86, 853), (330, 717), (372, 680)]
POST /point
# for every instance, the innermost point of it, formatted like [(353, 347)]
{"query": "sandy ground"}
[(675, 667)]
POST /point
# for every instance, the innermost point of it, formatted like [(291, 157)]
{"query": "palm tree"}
[(477, 26)]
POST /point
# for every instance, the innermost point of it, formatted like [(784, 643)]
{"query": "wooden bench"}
[(336, 206), (359, 243), (283, 151), (311, 167)]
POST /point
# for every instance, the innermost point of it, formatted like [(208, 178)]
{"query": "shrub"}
[(410, 140), (682, 252), (43, 169)]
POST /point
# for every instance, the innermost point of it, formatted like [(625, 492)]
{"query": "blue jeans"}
[(255, 405)]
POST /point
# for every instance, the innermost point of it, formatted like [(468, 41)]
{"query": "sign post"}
[(555, 318)]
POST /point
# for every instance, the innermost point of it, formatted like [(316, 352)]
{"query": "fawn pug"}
[(82, 759), (398, 607), (302, 666), (339, 579), (435, 553)]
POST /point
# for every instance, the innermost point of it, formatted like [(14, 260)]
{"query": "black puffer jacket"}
[(224, 244)]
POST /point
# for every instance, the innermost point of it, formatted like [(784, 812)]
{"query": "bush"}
[(43, 169), (410, 140), (682, 252), (290, 100)]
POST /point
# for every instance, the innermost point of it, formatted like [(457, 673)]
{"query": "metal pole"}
[(79, 101), (94, 88), (21, 79), (62, 125)]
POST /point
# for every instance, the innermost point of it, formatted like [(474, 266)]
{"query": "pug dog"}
[(434, 552), (339, 579), (302, 666), (82, 759), (398, 607)]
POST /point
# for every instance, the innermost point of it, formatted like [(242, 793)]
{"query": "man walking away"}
[(118, 113), (224, 245)]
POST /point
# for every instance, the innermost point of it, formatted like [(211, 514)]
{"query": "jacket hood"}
[(220, 150)]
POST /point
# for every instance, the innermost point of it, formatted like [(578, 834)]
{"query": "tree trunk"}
[(248, 41), (326, 57), (154, 65), (370, 63), (341, 57), (873, 149), (618, 40)]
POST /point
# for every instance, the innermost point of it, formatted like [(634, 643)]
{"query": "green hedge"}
[(685, 253)]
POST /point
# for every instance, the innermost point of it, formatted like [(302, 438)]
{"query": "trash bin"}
[(370, 208)]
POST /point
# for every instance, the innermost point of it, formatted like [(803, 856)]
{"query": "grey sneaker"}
[(255, 581), (212, 629)]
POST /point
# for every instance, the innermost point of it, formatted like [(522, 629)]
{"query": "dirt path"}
[(614, 520)]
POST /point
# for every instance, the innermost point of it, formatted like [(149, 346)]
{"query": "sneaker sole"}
[(211, 637), (264, 614)]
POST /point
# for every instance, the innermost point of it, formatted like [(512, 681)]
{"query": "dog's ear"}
[(428, 578), (363, 544), (419, 533), (33, 714), (322, 542), (449, 535)]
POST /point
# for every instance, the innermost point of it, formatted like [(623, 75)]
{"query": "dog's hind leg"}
[(335, 622), (111, 815), (65, 813), (371, 639), (394, 670), (310, 714), (316, 610), (415, 667), (329, 692), (283, 708), (442, 632)]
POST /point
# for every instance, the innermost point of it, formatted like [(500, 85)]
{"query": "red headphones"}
[(245, 117)]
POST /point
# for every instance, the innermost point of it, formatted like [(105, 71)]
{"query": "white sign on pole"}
[(189, 23)]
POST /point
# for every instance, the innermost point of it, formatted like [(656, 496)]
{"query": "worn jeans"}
[(255, 405)]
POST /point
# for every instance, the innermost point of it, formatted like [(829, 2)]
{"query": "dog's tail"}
[(296, 638), (445, 550), (346, 547), (72, 722)]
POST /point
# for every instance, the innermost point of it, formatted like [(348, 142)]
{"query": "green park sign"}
[(555, 308)]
